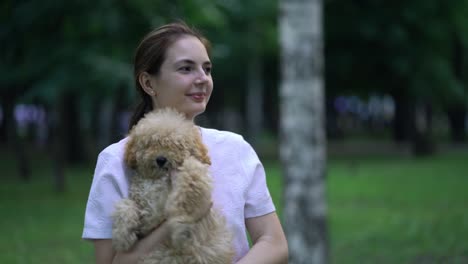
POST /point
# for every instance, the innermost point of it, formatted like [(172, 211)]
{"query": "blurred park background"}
[(396, 75)]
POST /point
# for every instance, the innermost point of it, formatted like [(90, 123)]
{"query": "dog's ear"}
[(201, 152), (130, 154)]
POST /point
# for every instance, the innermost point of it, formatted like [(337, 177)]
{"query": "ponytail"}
[(142, 108)]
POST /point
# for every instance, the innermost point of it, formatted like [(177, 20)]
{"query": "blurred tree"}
[(246, 38), (303, 141), (15, 51), (399, 47), (59, 53), (259, 19), (457, 109)]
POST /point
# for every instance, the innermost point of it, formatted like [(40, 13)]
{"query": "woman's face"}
[(184, 80)]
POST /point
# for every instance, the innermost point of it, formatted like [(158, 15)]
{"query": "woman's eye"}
[(185, 68), (208, 70)]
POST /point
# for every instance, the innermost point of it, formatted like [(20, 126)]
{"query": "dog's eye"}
[(160, 160)]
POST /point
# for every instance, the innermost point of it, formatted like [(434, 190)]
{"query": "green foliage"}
[(50, 47), (398, 45)]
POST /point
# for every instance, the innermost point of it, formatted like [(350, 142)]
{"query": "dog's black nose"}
[(161, 161)]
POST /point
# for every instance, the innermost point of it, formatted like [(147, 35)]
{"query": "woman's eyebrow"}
[(189, 61)]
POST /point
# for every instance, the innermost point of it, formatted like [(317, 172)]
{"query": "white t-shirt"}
[(240, 189)]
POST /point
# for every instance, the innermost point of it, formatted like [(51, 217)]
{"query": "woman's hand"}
[(105, 254)]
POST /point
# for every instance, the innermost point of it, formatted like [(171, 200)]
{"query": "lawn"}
[(381, 210), (399, 210)]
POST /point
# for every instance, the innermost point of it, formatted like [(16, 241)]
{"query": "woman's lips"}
[(198, 97)]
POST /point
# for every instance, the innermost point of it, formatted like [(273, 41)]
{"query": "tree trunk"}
[(457, 111), (117, 132), (423, 142), (8, 121), (303, 141), (4, 123), (105, 122), (403, 119), (254, 100), (95, 125), (332, 128), (24, 168), (59, 160), (58, 144), (71, 124), (457, 119), (13, 139)]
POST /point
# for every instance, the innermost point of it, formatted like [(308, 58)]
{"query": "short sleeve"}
[(258, 200), (109, 185)]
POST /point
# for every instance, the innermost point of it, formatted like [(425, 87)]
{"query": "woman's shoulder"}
[(115, 150), (111, 170), (211, 135)]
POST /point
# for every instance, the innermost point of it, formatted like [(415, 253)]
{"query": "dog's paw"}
[(191, 193), (124, 242), (126, 215), (125, 223), (181, 234)]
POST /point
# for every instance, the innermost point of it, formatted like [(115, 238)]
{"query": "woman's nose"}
[(202, 77)]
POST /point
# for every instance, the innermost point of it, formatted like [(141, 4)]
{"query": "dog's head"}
[(161, 141)]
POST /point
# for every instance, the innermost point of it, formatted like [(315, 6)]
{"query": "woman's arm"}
[(269, 242), (105, 254)]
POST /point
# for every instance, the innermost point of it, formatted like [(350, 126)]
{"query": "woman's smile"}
[(197, 96)]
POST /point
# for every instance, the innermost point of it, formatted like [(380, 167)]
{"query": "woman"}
[(173, 69)]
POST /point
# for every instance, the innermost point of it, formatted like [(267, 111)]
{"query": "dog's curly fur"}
[(171, 181)]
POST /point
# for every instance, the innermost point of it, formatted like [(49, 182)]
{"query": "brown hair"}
[(150, 55)]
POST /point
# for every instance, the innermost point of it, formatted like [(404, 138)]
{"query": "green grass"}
[(41, 226), (399, 210), (381, 210)]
